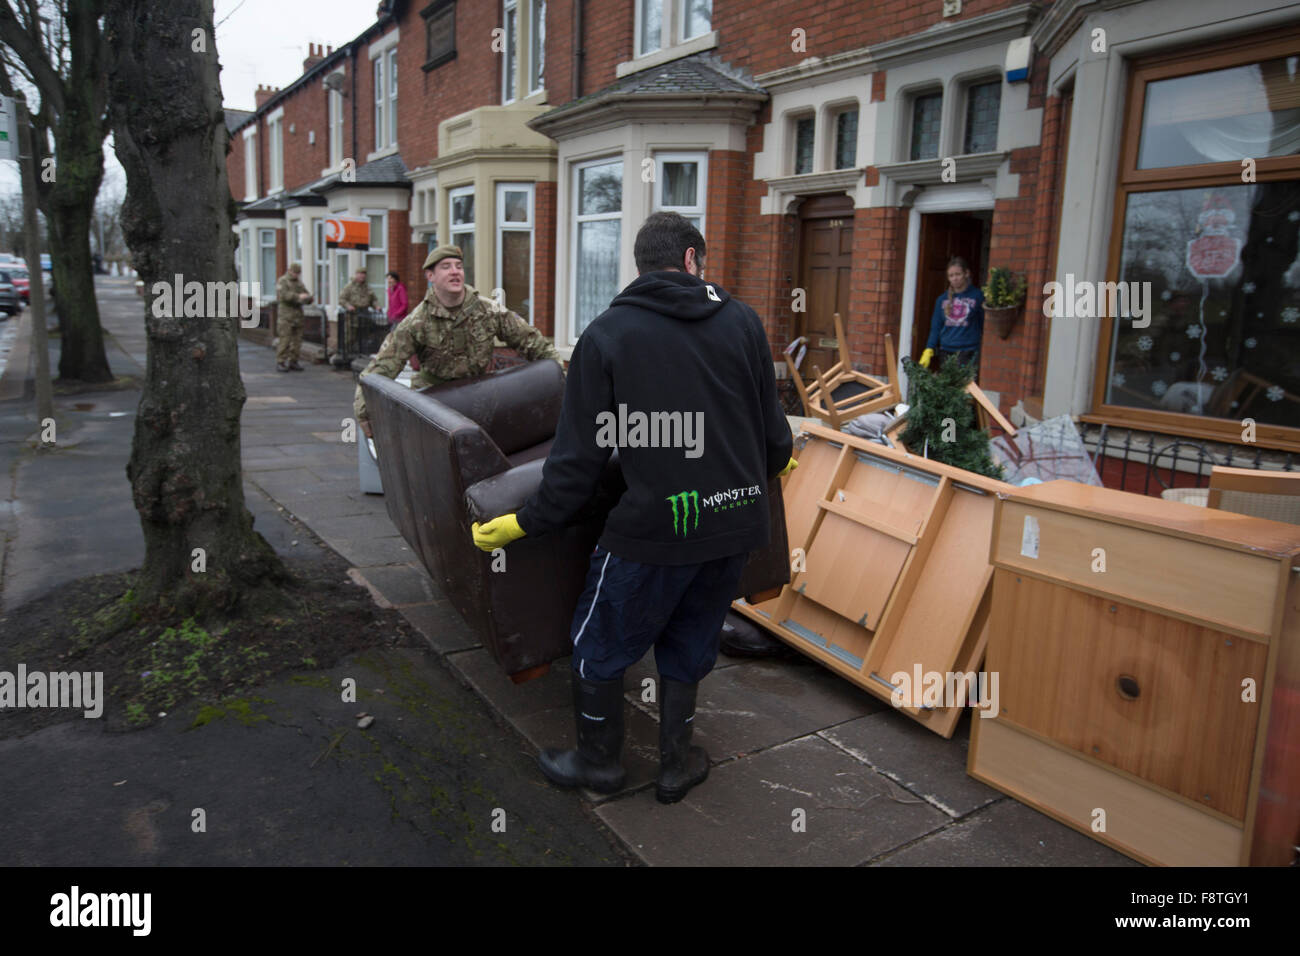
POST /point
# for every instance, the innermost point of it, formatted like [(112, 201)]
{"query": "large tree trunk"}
[(185, 472), (69, 201)]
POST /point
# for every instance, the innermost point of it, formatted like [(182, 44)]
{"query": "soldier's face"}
[(449, 278), (360, 277)]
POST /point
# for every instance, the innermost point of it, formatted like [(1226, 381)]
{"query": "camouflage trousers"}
[(290, 332)]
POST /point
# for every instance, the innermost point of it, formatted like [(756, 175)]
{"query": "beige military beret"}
[(442, 252)]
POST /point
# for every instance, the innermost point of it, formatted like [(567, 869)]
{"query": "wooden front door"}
[(825, 265), (943, 235)]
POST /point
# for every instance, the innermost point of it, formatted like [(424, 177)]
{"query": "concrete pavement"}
[(808, 769)]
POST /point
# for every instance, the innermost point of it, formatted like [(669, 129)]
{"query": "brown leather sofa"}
[(471, 450)]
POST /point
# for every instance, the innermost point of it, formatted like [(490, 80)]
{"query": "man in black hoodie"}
[(678, 376)]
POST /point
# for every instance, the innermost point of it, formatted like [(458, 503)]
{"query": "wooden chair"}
[(1274, 495), (819, 398)]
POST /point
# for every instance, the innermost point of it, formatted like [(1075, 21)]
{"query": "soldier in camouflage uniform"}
[(356, 294), (290, 296), (451, 332)]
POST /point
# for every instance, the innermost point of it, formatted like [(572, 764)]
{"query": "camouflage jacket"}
[(287, 290), (356, 296), (453, 344)]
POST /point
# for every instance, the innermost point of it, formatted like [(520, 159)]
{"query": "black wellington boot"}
[(595, 764), (681, 766)]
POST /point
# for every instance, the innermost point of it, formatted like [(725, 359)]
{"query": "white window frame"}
[(637, 39), (454, 229), (701, 158), (378, 245), (250, 164), (503, 227), (275, 151), (509, 62), (295, 241), (335, 124), (383, 54), (320, 260), (268, 282), (536, 46), (679, 10), (571, 321), (392, 97)]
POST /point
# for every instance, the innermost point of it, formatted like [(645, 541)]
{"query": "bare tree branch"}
[(43, 73)]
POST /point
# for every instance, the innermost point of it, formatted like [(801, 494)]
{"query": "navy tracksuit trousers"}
[(629, 607)]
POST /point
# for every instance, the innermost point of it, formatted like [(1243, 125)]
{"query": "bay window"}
[(597, 224)]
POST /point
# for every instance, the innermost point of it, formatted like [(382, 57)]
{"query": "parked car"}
[(21, 279), (10, 304)]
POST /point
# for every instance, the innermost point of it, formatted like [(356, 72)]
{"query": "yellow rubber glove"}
[(790, 466), (497, 533), (926, 356)]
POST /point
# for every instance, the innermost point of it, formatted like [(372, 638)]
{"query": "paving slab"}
[(441, 625), (763, 703), (542, 710), (1007, 833), (398, 584), (925, 763), (748, 813)]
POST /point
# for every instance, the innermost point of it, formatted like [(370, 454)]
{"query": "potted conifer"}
[(1004, 296)]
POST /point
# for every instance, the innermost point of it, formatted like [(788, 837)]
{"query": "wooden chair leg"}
[(798, 385), (891, 369)]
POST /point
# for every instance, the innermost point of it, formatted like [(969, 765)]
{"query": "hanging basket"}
[(1002, 319)]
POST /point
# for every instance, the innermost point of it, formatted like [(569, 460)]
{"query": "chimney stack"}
[(315, 53), (262, 94)]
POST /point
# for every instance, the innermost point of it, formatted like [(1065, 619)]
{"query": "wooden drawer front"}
[(852, 569), (1060, 655), (1189, 578), (1140, 821)]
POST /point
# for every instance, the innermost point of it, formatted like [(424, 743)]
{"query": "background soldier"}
[(356, 294), (452, 332), (290, 296)]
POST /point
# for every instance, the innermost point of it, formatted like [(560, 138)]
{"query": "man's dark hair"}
[(396, 277), (663, 240)]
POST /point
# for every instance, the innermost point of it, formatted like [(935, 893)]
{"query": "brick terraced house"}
[(834, 155)]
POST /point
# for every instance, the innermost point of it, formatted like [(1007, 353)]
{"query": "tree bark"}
[(72, 106), (171, 138)]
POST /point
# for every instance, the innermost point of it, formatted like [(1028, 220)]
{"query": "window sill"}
[(381, 153), (1223, 430), (438, 61), (663, 55)]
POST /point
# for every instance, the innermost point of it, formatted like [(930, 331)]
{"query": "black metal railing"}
[(1148, 463)]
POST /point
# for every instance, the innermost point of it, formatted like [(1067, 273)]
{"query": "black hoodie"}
[(676, 362)]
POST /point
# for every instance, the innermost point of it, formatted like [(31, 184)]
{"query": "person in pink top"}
[(398, 306)]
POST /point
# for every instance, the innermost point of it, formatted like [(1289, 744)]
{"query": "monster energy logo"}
[(686, 499)]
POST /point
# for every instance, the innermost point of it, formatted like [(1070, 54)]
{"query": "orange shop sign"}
[(341, 233)]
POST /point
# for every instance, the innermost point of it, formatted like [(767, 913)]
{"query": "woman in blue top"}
[(957, 325)]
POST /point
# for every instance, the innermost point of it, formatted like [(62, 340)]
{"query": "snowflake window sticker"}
[(1220, 373), (1145, 343), (1158, 387), (1175, 356), (1167, 295), (1193, 331), (1248, 287), (1251, 342), (1118, 379), (1275, 393), (1293, 215), (1290, 314)]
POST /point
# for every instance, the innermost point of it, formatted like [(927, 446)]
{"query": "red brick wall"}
[(758, 35), (424, 100), (235, 165), (544, 255)]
